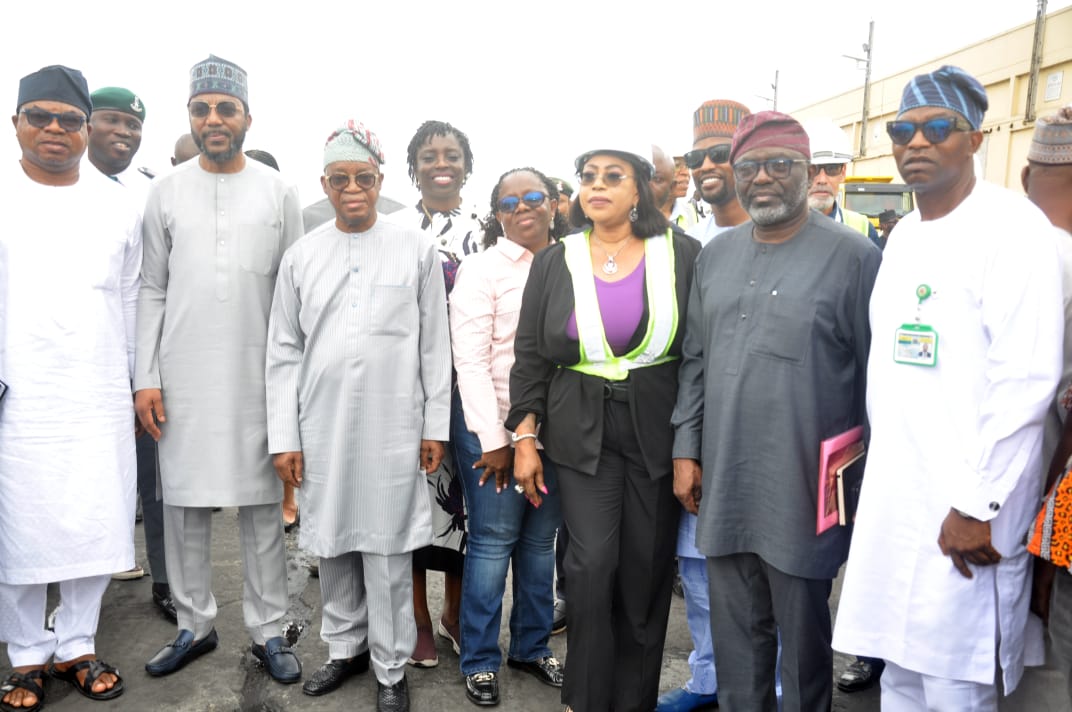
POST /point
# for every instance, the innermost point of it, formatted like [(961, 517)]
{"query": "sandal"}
[(32, 681), (95, 668)]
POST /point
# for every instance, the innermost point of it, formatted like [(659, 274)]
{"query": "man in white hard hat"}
[(830, 154)]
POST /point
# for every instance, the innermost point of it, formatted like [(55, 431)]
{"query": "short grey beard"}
[(821, 203), (766, 217)]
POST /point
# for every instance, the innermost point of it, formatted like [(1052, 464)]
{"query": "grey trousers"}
[(367, 602), (188, 542), (1061, 624), (152, 508), (751, 601)]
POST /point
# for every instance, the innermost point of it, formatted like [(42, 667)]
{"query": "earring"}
[(634, 215)]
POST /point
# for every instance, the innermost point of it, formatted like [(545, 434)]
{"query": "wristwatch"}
[(518, 437)]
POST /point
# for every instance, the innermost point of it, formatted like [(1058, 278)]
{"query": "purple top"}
[(621, 304)]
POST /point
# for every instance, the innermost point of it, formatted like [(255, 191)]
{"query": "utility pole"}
[(774, 86), (1036, 62), (866, 59)]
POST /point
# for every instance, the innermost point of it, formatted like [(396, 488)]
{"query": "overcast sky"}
[(531, 83)]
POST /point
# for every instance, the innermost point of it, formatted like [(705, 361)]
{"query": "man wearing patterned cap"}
[(215, 230), (937, 579), (713, 125), (773, 363), (358, 404), (69, 258)]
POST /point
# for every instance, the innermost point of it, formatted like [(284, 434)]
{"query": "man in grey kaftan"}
[(358, 377), (215, 230)]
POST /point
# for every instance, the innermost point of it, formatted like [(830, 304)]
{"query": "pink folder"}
[(835, 455)]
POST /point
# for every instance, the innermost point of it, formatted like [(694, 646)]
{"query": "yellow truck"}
[(875, 195)]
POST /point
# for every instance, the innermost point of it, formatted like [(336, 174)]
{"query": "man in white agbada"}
[(967, 323), (358, 378), (215, 230), (69, 258)]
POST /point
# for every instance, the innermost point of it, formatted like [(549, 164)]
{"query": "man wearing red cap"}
[(774, 360)]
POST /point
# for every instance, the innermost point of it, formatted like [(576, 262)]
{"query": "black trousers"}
[(623, 529), (152, 508)]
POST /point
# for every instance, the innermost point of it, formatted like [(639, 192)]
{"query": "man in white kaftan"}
[(70, 252), (937, 582), (215, 230), (358, 377)]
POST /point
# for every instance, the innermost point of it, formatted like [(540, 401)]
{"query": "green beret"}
[(118, 99)]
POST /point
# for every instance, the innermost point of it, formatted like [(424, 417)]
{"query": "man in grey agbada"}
[(774, 361), (358, 376), (215, 230)]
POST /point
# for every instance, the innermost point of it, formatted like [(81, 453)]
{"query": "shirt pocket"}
[(784, 329), (394, 310), (257, 248)]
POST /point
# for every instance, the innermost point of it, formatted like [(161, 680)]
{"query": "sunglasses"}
[(610, 179), (935, 130), (533, 199), (831, 169), (69, 121), (718, 154), (777, 168), (341, 181), (224, 109)]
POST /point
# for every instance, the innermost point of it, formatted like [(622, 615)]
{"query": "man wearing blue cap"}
[(215, 230), (70, 253), (967, 322)]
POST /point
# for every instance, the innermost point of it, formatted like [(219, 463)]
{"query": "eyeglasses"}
[(934, 130), (831, 169), (224, 109), (718, 154), (610, 178), (341, 181), (69, 121), (533, 199), (777, 168)]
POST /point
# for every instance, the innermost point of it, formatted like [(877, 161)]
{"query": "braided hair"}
[(425, 133), (493, 228)]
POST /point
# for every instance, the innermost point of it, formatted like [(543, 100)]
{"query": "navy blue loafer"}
[(282, 663), (180, 651)]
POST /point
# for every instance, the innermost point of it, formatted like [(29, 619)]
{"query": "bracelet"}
[(518, 437)]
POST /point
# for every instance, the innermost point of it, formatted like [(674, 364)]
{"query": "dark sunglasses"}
[(831, 169), (934, 130), (341, 181), (610, 179), (533, 199), (718, 154), (777, 168), (69, 121), (224, 109)]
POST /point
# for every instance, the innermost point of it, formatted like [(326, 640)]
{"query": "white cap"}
[(631, 145), (829, 144)]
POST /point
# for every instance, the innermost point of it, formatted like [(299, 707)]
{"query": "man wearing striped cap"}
[(713, 125)]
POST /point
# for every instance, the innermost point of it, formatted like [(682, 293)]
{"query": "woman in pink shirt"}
[(484, 310)]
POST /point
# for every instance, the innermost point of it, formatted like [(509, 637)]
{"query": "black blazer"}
[(568, 403)]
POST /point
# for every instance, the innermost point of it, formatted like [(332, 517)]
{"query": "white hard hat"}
[(829, 144), (631, 146)]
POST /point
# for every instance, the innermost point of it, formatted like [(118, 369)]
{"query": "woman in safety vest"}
[(597, 352)]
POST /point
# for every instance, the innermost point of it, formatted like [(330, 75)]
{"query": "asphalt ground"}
[(230, 678)]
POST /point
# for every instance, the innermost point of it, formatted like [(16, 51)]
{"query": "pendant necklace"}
[(610, 266)]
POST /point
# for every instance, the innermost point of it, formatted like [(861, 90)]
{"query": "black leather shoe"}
[(333, 673), (394, 698), (181, 651), (282, 663), (163, 601), (547, 670), (482, 688)]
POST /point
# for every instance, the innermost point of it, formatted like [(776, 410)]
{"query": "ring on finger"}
[(519, 489)]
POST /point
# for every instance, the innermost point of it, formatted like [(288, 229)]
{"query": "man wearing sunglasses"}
[(713, 125), (937, 579), (70, 253), (215, 230), (774, 361), (359, 327), (830, 156)]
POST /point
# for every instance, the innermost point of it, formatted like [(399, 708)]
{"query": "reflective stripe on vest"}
[(660, 281), (856, 221)]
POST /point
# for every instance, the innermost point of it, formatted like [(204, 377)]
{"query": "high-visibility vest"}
[(596, 357), (856, 221)]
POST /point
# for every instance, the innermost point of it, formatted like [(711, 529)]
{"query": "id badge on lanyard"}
[(916, 343)]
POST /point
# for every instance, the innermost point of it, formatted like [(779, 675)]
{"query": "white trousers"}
[(908, 691), (367, 602), (22, 620), (188, 554)]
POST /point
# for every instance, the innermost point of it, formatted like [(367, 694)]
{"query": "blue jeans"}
[(504, 527)]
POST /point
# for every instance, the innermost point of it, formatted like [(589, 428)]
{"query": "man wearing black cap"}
[(967, 318), (67, 299), (215, 230)]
